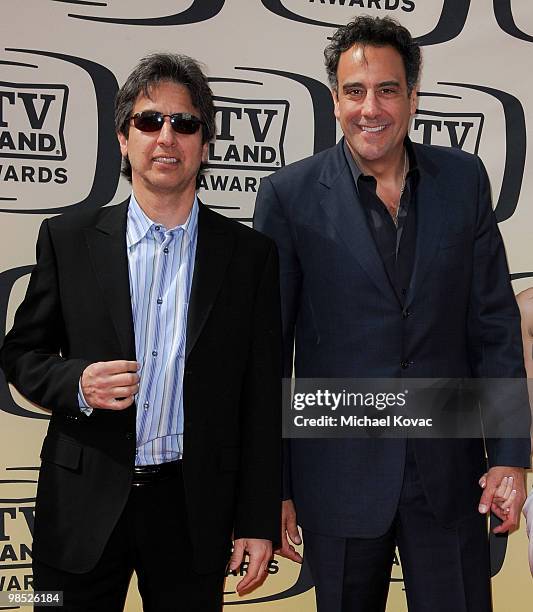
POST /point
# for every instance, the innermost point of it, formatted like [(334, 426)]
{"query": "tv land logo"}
[(125, 12), (32, 121), (241, 122), (40, 110), (258, 132), (438, 23), (17, 510), (250, 143), (39, 132)]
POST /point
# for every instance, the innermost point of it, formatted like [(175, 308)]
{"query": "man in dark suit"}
[(152, 331), (391, 266)]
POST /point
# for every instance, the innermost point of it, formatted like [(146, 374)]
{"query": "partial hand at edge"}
[(289, 531)]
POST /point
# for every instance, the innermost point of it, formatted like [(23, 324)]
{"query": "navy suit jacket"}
[(344, 319)]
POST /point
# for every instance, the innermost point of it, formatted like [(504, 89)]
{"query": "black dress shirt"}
[(396, 243)]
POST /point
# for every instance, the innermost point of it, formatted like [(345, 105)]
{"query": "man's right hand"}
[(110, 385), (289, 531)]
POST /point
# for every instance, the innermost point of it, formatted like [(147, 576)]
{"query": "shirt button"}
[(157, 228), (165, 250), (154, 353), (146, 405), (405, 364), (406, 313), (159, 300)]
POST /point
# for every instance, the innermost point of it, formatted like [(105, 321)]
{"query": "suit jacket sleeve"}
[(270, 219), (258, 501), (495, 343), (32, 355)]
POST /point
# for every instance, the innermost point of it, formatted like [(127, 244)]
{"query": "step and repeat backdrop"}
[(61, 63)]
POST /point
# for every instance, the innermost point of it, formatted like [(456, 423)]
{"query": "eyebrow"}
[(382, 84), (389, 83)]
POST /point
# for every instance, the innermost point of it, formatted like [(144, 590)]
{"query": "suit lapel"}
[(107, 247), (431, 214), (346, 213), (213, 253)]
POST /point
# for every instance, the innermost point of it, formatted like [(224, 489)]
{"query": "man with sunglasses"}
[(151, 330)]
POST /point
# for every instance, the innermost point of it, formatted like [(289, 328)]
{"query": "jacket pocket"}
[(61, 452)]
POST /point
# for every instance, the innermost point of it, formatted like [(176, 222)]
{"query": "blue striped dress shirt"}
[(161, 264)]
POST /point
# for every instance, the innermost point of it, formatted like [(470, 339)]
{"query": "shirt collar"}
[(356, 171), (139, 224)]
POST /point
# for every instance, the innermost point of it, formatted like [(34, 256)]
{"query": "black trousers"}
[(151, 538), (444, 570)]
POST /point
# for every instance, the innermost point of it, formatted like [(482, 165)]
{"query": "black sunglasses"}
[(152, 121)]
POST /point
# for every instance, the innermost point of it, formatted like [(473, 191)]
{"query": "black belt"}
[(148, 474)]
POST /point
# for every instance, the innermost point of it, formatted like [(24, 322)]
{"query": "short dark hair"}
[(157, 68), (375, 32)]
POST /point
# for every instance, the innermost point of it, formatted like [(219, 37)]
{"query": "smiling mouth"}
[(165, 160), (372, 129)]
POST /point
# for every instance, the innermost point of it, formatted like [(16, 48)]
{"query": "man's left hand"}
[(259, 553), (511, 514)]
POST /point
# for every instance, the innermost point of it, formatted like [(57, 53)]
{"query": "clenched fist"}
[(110, 385)]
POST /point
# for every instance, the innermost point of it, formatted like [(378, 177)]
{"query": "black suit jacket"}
[(459, 320), (77, 310)]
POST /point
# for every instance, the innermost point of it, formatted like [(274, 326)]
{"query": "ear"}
[(413, 101), (123, 142), (205, 149), (335, 103)]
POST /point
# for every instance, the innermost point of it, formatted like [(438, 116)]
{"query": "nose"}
[(166, 134), (371, 105)]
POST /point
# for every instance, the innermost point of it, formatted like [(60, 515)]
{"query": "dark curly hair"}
[(157, 68), (376, 32)]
